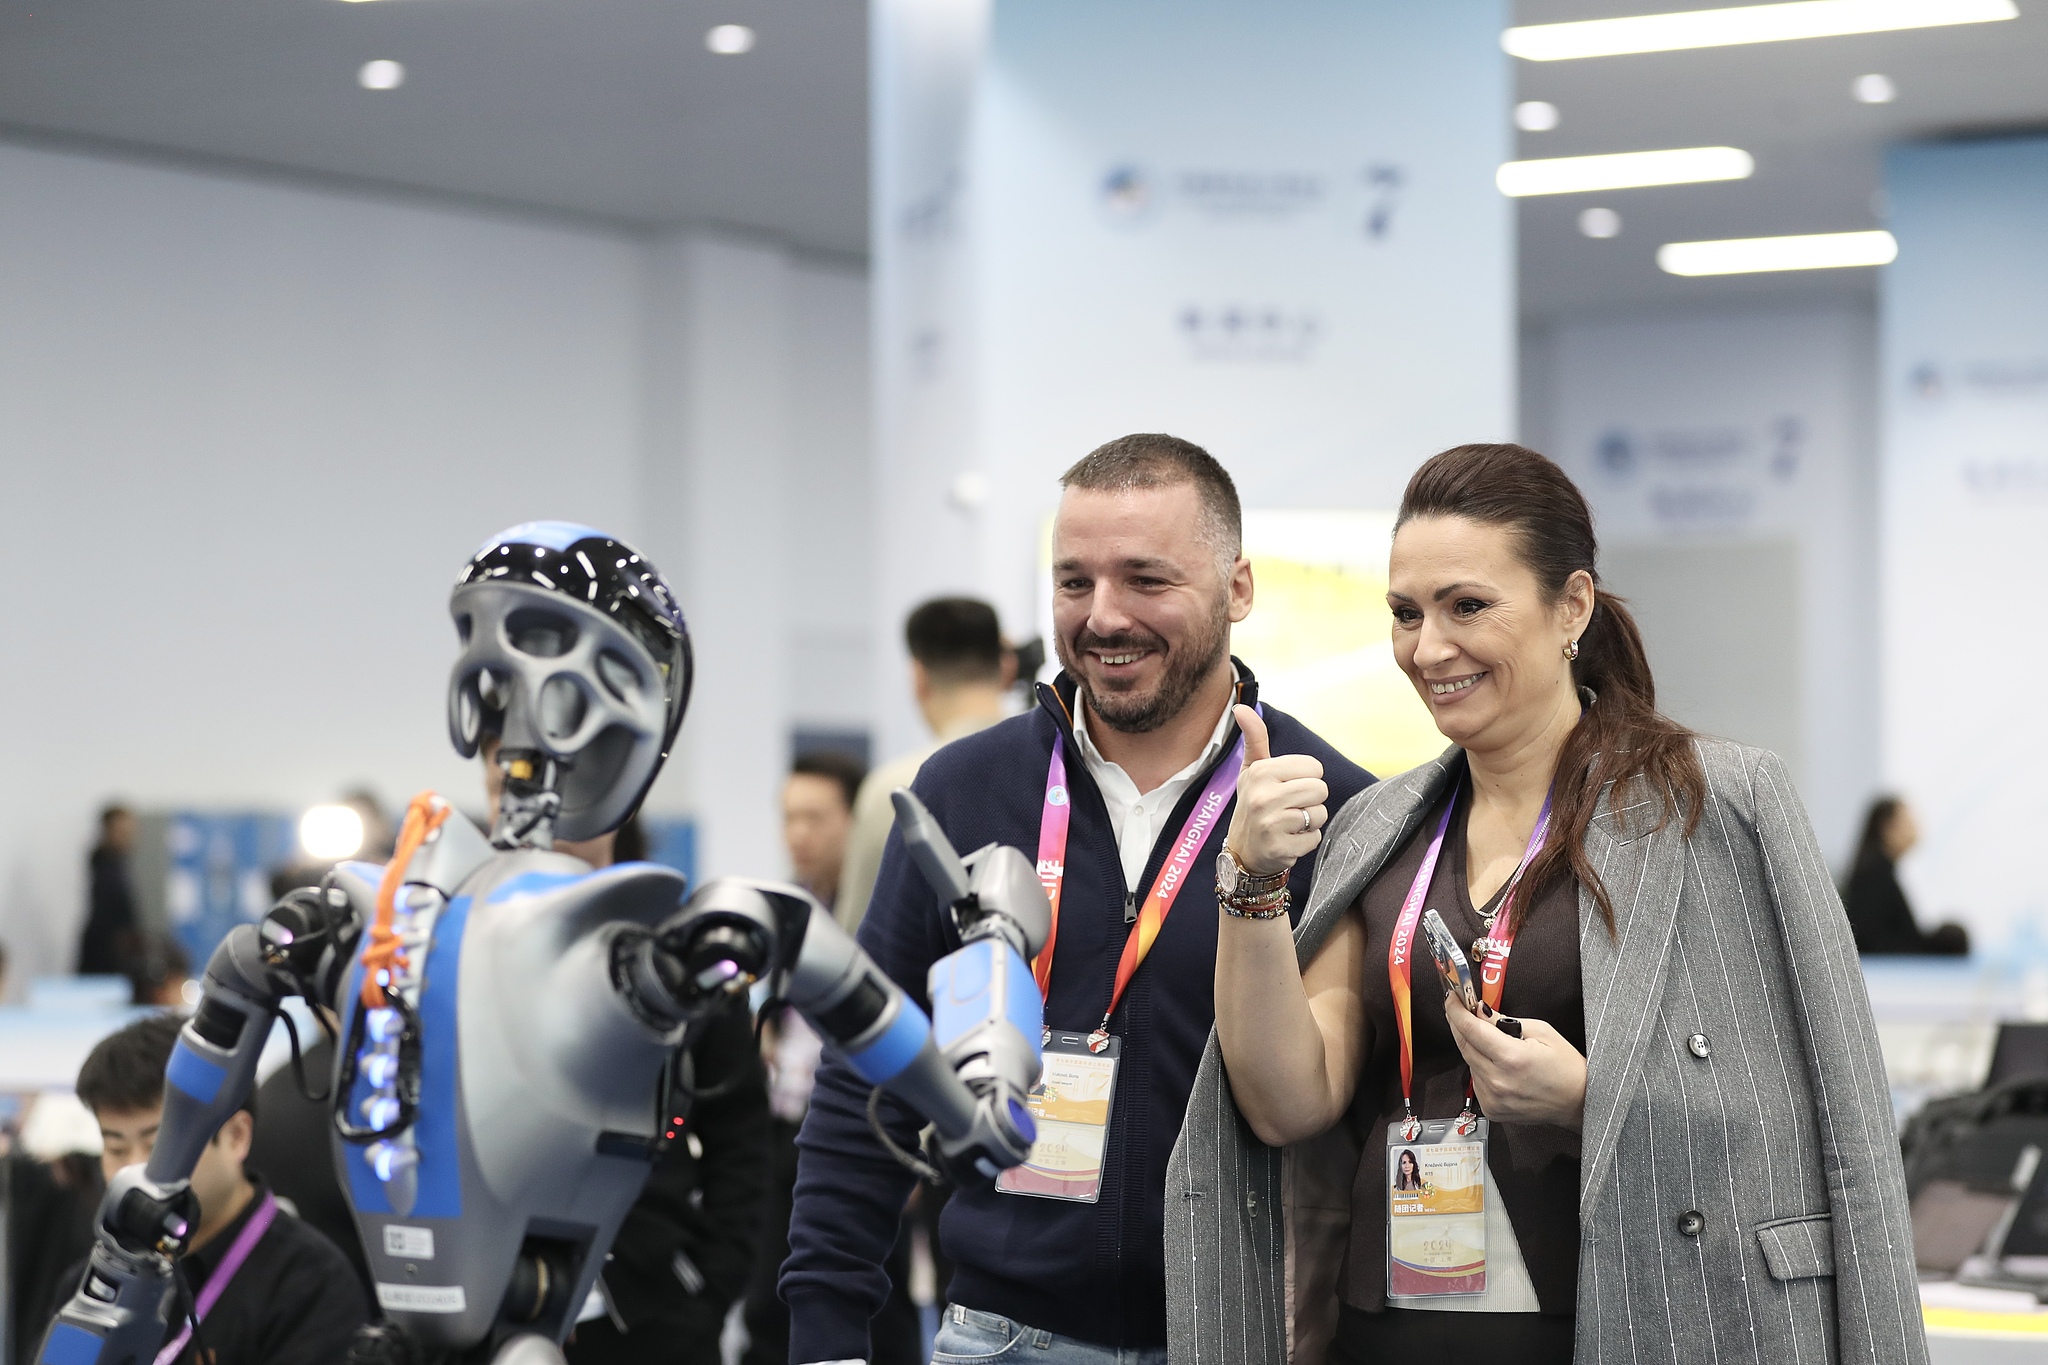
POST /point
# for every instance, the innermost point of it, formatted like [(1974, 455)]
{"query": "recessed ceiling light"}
[(1623, 170), (1536, 116), (1874, 89), (382, 74), (730, 40), (1733, 25), (1600, 223), (1752, 255)]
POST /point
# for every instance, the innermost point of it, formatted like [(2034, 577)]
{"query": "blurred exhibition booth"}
[(813, 301)]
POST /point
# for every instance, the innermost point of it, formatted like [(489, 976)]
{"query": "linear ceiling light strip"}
[(1755, 255), (1623, 171), (1736, 25)]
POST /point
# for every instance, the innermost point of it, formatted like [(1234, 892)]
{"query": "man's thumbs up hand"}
[(1258, 743), (1280, 812)]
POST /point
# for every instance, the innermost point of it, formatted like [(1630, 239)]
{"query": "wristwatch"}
[(1250, 895)]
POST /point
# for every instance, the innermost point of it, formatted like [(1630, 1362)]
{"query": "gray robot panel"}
[(537, 1103)]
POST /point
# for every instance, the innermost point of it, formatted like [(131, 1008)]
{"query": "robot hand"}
[(969, 1075)]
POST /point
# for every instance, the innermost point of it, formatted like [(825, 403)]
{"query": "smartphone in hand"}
[(1450, 960)]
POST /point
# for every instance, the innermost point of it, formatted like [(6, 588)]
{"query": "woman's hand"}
[(1536, 1078), (1280, 812)]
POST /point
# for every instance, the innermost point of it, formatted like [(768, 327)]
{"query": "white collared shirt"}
[(1135, 817)]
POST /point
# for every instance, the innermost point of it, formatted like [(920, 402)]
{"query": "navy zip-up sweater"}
[(1091, 1271)]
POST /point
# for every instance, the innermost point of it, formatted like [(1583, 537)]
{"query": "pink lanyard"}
[(217, 1283), (1166, 887), (1493, 960)]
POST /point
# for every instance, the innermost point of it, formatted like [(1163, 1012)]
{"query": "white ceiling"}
[(612, 110), (606, 109), (1819, 154)]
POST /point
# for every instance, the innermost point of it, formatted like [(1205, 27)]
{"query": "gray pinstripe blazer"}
[(1781, 1137)]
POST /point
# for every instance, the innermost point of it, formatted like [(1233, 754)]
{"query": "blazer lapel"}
[(1368, 831), (1623, 974)]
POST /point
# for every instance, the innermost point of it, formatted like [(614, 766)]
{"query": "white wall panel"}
[(1728, 459)]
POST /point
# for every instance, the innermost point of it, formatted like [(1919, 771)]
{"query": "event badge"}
[(1436, 1209), (1071, 1107)]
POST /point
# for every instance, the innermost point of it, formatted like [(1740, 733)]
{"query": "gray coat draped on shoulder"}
[(1733, 1073)]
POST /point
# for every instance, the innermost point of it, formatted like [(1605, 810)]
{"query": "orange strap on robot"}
[(425, 815)]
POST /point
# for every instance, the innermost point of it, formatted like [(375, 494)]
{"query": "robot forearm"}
[(119, 1314), (968, 1076)]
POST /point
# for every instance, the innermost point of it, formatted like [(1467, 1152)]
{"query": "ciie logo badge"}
[(1125, 195), (1056, 796)]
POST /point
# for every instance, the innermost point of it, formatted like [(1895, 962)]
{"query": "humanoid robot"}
[(514, 1024)]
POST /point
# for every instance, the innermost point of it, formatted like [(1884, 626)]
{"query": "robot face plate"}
[(572, 648)]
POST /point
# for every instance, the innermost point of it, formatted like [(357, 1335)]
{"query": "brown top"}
[(1535, 1166)]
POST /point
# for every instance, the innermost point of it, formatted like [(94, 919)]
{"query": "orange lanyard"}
[(1166, 887), (1493, 963)]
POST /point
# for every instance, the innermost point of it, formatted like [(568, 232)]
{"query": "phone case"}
[(1450, 959)]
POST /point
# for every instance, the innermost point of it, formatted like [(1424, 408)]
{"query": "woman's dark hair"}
[(1871, 847), (1622, 738)]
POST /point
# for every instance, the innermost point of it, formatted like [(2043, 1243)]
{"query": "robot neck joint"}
[(530, 800)]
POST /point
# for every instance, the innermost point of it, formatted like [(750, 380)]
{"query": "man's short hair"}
[(842, 768), (124, 1073), (111, 812), (957, 639), (1155, 460)]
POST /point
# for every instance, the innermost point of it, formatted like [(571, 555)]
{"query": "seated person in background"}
[(269, 1289), (1878, 913)]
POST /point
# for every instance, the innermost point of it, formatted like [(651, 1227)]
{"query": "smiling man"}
[(1122, 780)]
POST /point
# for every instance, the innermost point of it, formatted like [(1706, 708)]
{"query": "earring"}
[(1571, 649)]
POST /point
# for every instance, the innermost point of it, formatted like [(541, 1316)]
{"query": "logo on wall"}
[(1384, 183), (1716, 477), (1616, 454), (1788, 445), (1365, 201), (1126, 195), (933, 216), (1233, 332)]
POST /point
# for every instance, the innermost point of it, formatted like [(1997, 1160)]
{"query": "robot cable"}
[(918, 1167)]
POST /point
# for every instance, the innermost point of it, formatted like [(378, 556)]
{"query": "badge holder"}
[(1070, 1104), (1436, 1208)]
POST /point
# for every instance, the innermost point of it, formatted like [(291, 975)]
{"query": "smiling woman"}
[(1685, 1009)]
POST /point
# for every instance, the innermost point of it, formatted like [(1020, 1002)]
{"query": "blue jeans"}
[(968, 1336)]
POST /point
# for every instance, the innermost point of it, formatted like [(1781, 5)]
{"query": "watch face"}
[(1226, 872)]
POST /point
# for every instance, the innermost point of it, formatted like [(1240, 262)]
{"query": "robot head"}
[(575, 655)]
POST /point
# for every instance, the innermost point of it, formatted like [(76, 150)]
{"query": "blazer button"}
[(1692, 1222), (1699, 1045)]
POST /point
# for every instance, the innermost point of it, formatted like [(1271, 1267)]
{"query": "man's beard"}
[(1187, 668)]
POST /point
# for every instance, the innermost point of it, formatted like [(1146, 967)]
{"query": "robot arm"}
[(120, 1314), (967, 1069)]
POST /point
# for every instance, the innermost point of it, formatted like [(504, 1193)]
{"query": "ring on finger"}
[(1308, 820)]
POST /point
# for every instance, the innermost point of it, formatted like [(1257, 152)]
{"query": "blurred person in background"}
[(162, 974), (960, 671), (1879, 914), (269, 1289), (48, 1195), (380, 836), (111, 940), (817, 823)]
